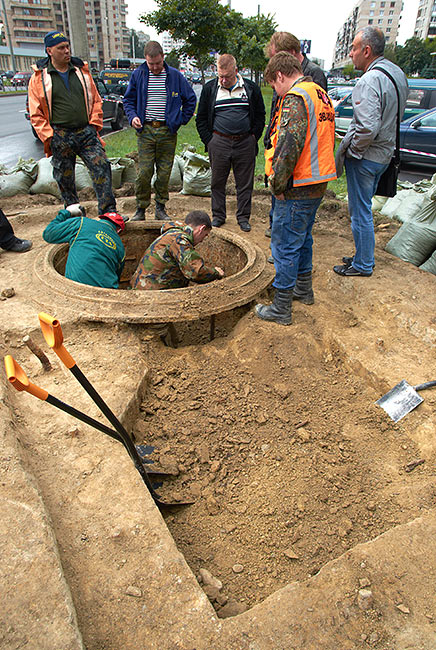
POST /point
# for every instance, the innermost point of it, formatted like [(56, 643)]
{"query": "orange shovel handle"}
[(52, 332), (18, 378)]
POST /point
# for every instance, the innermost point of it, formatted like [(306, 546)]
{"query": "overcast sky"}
[(316, 20)]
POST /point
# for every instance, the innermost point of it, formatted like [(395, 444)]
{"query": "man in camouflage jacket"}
[(171, 261)]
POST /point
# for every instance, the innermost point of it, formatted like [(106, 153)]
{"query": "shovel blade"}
[(400, 400)]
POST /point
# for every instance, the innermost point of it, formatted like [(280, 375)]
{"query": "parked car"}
[(196, 79), (418, 139), (337, 93), (422, 96), (21, 78), (113, 111), (116, 79), (8, 74)]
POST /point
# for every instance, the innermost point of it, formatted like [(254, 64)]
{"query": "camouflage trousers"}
[(156, 147), (66, 144)]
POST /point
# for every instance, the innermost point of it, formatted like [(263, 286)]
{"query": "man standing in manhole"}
[(299, 165), (171, 262)]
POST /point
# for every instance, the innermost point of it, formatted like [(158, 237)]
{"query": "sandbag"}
[(416, 240), (128, 169), (83, 177), (409, 202), (45, 183), (430, 264), (197, 174), (378, 202), (117, 173), (19, 178)]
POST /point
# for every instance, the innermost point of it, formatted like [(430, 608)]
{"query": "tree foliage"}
[(207, 26), (414, 56)]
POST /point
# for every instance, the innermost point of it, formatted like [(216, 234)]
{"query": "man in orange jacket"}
[(66, 113), (299, 164)]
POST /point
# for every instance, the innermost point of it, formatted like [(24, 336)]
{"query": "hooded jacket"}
[(180, 103), (171, 261), (40, 99)]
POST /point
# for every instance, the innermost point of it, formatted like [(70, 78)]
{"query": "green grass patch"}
[(124, 142)]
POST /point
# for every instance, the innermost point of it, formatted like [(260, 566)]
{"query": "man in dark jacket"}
[(158, 100), (287, 42), (230, 121)]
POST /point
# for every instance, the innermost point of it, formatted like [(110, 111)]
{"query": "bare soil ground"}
[(272, 430)]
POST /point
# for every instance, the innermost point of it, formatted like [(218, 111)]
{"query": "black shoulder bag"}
[(387, 185)]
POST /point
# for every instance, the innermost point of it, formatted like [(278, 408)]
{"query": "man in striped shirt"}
[(158, 100), (230, 121)]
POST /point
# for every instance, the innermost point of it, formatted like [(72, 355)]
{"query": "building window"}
[(388, 29), (387, 38), (371, 13), (389, 21), (370, 21), (382, 13), (392, 4), (372, 5), (382, 4), (380, 21)]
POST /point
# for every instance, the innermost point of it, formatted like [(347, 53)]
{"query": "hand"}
[(136, 123), (280, 197), (220, 271), (74, 209)]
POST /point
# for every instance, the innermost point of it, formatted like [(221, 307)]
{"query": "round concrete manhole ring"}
[(245, 265)]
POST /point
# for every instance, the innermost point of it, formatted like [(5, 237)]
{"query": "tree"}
[(202, 24), (172, 58), (414, 56), (247, 41)]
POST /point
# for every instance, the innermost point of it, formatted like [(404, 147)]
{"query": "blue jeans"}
[(291, 239), (271, 212), (362, 180)]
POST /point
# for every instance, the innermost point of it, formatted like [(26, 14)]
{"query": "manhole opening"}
[(289, 460), (214, 250)]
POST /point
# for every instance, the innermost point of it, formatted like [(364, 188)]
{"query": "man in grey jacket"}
[(369, 143)]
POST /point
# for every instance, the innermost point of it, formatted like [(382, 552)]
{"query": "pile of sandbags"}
[(415, 241), (18, 179)]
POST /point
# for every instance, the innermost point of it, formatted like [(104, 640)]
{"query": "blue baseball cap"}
[(54, 38)]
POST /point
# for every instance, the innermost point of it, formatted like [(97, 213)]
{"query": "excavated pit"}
[(246, 275)]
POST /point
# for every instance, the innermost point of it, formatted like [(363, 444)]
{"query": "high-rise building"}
[(97, 28), (385, 14), (425, 26)]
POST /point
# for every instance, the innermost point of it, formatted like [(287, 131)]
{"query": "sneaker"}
[(350, 271), (268, 232), (139, 215), (21, 246), (245, 226), (216, 223), (160, 213)]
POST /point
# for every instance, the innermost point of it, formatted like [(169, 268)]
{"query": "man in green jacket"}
[(96, 255)]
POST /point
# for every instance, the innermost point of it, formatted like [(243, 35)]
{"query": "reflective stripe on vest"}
[(316, 163)]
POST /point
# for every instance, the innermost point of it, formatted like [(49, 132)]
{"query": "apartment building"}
[(425, 26), (385, 14), (97, 29)]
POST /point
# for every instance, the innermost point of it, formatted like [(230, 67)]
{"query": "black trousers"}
[(240, 155), (7, 237)]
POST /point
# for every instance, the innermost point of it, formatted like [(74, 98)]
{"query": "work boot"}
[(303, 289), (139, 214), (20, 246), (280, 311), (160, 213)]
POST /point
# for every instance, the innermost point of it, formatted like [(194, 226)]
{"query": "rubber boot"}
[(303, 289), (280, 311)]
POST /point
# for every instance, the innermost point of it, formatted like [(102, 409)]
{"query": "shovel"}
[(402, 399), (53, 335)]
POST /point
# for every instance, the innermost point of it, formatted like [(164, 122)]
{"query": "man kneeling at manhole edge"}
[(171, 262), (299, 164), (96, 254)]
